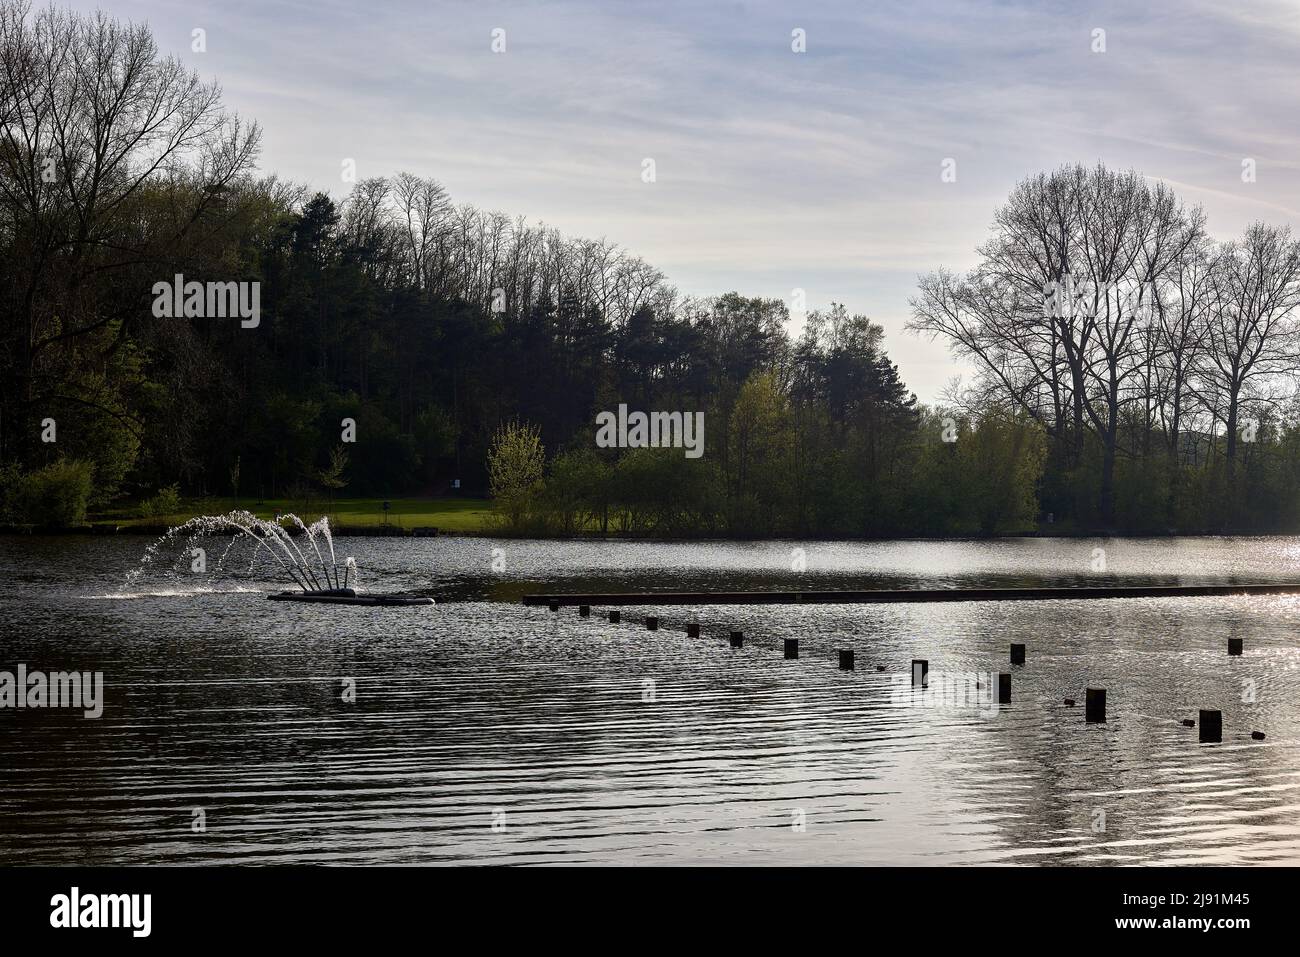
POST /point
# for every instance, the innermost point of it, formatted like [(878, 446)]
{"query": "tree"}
[(516, 464), (99, 135), (760, 444), (331, 477), (999, 464), (1056, 313), (1253, 332), (578, 491)]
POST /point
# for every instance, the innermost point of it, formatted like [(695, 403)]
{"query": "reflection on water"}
[(583, 741)]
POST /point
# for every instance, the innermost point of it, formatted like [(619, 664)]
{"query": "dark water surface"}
[(590, 742)]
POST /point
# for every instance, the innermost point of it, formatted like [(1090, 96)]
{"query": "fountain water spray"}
[(268, 536), (315, 581)]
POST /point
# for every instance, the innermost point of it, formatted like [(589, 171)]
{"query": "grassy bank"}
[(445, 514)]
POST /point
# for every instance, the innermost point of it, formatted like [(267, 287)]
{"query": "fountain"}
[(314, 582)]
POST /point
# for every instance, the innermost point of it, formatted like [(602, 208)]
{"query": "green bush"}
[(577, 493), (54, 496), (166, 502), (11, 480), (517, 466)]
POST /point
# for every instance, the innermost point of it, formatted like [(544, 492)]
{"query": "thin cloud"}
[(775, 169)]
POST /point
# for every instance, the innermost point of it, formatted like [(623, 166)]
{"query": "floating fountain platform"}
[(349, 596), (319, 582)]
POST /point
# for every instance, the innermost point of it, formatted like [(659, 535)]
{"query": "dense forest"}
[(1134, 375)]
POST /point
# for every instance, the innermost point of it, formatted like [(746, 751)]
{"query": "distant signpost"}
[(386, 506)]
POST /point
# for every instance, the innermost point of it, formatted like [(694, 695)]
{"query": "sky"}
[(775, 170)]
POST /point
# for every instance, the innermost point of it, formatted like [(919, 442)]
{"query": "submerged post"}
[(1211, 726), (1004, 687), (652, 622), (920, 672), (693, 630), (615, 617), (553, 604), (1234, 646), (792, 647), (846, 659), (1094, 705), (737, 639), (584, 610), (1017, 654)]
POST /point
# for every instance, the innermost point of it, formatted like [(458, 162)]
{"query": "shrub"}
[(54, 496), (166, 502), (577, 492), (516, 466), (11, 481)]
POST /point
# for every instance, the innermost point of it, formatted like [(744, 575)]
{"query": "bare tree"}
[(1055, 313), (1177, 340), (99, 135), (1253, 333), (425, 211)]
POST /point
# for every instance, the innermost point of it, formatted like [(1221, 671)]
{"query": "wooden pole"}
[(1211, 726), (1094, 705)]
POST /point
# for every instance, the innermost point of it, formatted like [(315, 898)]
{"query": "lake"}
[(238, 730)]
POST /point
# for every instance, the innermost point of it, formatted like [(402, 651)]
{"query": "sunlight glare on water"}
[(586, 742)]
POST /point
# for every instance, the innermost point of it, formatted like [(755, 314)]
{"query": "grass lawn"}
[(445, 514)]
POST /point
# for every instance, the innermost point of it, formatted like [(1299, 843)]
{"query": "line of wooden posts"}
[(1094, 702)]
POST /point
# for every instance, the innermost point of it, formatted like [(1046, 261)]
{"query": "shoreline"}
[(101, 529), (557, 600)]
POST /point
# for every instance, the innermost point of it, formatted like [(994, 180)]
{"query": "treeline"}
[(399, 333), (826, 444), (1160, 364)]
